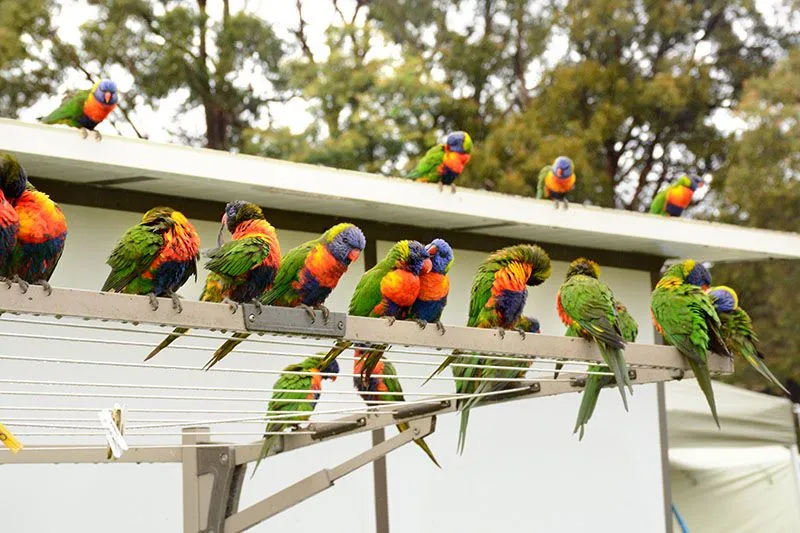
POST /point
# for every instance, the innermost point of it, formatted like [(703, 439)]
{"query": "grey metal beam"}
[(41, 454), (191, 485)]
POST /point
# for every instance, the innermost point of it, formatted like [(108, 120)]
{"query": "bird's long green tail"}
[(420, 442), (441, 367), (591, 392), (559, 366), (225, 349), (172, 337), (335, 352), (703, 376), (764, 370), (615, 360), (269, 441), (462, 431)]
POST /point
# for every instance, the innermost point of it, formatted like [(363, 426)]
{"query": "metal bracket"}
[(270, 319), (219, 485)]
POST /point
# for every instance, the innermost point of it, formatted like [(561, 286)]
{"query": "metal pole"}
[(191, 489)]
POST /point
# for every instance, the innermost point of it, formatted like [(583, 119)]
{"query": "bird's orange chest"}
[(95, 110), (433, 286), (401, 287), (680, 196)]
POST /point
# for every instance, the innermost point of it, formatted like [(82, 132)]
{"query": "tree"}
[(171, 47), (27, 63)]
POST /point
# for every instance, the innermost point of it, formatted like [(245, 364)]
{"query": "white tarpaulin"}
[(742, 478)]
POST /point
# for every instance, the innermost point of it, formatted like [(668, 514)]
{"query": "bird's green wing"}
[(70, 108), (589, 302), (237, 257), (368, 290), (289, 271), (659, 204), (132, 256), (628, 326), (392, 384), (426, 168), (739, 336), (540, 182), (480, 294)]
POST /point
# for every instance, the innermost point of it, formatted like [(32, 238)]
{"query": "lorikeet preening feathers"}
[(676, 197), (434, 286), (307, 387), (499, 289), (87, 108), (308, 274), (241, 269), (556, 182), (388, 289), (13, 181), (594, 381), (443, 163), (685, 316), (588, 304), (384, 380), (737, 331), (155, 257)]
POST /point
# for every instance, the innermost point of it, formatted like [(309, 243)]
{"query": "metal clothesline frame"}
[(213, 472)]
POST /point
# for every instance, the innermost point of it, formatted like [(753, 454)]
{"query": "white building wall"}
[(522, 465)]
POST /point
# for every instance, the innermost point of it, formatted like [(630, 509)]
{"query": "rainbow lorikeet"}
[(87, 108), (434, 286), (596, 381), (737, 331), (241, 269), (443, 163), (388, 289), (155, 257), (468, 368), (384, 380), (308, 274), (301, 381), (556, 182), (13, 181), (676, 197), (587, 303), (685, 316)]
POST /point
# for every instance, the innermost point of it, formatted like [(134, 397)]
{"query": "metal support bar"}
[(219, 494), (291, 320), (191, 485), (324, 479)]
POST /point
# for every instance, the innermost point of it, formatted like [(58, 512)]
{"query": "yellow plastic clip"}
[(10, 441)]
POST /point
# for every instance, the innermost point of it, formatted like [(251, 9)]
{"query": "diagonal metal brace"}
[(324, 479)]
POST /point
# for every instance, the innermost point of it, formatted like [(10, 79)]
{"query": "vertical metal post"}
[(380, 478), (191, 488), (666, 478)]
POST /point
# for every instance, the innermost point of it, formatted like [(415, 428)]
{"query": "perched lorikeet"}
[(737, 331), (595, 382), (434, 286), (676, 197), (388, 289), (13, 181), (42, 229), (306, 386), (87, 108), (556, 182), (586, 302), (384, 380), (155, 257), (489, 368), (685, 316), (308, 274), (443, 163), (241, 269)]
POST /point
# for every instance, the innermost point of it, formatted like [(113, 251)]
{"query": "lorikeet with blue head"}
[(443, 163), (388, 289), (308, 274), (299, 383), (585, 302), (13, 181), (676, 197), (685, 316), (434, 286), (241, 269), (155, 257), (384, 380), (595, 381), (42, 229), (556, 182), (87, 108), (737, 331)]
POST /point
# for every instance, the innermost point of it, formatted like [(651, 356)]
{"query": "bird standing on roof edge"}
[(443, 163), (87, 108), (672, 201), (557, 181)]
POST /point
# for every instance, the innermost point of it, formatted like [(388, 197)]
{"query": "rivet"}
[(251, 317), (223, 458)]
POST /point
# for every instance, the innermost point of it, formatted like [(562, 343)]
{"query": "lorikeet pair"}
[(674, 199), (308, 274), (443, 163), (87, 108), (241, 269), (33, 229), (556, 182)]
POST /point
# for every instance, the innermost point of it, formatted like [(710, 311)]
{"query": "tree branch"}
[(300, 32)]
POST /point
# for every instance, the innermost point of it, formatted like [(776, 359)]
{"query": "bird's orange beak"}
[(427, 266), (353, 255), (704, 287), (107, 96), (432, 250)]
